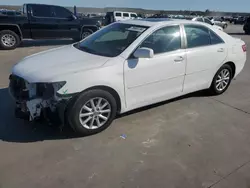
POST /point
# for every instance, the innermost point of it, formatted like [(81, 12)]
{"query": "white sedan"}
[(124, 66), (206, 20)]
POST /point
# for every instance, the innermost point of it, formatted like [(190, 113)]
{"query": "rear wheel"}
[(9, 40), (221, 80), (92, 112), (86, 33)]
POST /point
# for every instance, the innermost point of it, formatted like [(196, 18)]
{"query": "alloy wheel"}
[(222, 79), (8, 40), (95, 113)]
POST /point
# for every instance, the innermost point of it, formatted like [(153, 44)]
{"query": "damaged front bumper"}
[(36, 101)]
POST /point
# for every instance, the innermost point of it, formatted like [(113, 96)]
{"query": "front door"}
[(67, 25), (159, 78), (42, 22), (206, 51)]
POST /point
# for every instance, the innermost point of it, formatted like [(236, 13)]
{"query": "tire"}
[(82, 126), (225, 26), (6, 35), (85, 33), (214, 89)]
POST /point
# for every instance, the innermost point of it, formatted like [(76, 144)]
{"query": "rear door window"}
[(133, 16), (126, 15), (197, 36), (215, 39), (118, 14)]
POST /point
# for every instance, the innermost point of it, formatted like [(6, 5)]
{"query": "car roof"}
[(150, 22)]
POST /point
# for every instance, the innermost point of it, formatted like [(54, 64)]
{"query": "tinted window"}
[(118, 14), (199, 19), (42, 11), (125, 15), (217, 19), (164, 40), (215, 39), (61, 12), (112, 40), (197, 36), (10, 13), (133, 16), (208, 21)]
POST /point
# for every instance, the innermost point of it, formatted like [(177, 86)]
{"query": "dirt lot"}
[(194, 141)]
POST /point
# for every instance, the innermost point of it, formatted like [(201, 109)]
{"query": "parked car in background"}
[(9, 13), (119, 16), (246, 26), (218, 21), (160, 16), (124, 66), (43, 21), (206, 20), (240, 20)]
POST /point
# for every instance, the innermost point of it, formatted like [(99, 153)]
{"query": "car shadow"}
[(203, 93), (47, 42), (21, 131), (236, 33)]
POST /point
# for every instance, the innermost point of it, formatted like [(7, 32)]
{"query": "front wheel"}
[(221, 80), (92, 112)]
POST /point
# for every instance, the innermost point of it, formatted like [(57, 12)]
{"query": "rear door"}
[(42, 22), (206, 51), (67, 24)]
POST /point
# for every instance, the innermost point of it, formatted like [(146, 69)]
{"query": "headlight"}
[(47, 90)]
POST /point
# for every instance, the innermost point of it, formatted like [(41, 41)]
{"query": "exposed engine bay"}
[(35, 100)]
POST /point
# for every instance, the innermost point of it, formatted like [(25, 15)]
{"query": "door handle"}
[(220, 50), (178, 59)]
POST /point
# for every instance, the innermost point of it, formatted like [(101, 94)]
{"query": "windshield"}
[(217, 19), (112, 40), (208, 21)]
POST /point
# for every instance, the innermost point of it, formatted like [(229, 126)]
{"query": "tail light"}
[(244, 48)]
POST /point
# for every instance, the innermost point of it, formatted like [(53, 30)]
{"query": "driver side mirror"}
[(144, 53)]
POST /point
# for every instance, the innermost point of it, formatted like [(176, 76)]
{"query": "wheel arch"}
[(112, 91), (232, 65), (93, 28), (12, 27)]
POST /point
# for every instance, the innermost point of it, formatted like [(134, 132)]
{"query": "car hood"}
[(48, 65)]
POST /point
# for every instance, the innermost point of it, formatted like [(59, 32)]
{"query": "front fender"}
[(109, 76)]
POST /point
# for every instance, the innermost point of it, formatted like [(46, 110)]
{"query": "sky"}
[(217, 5)]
